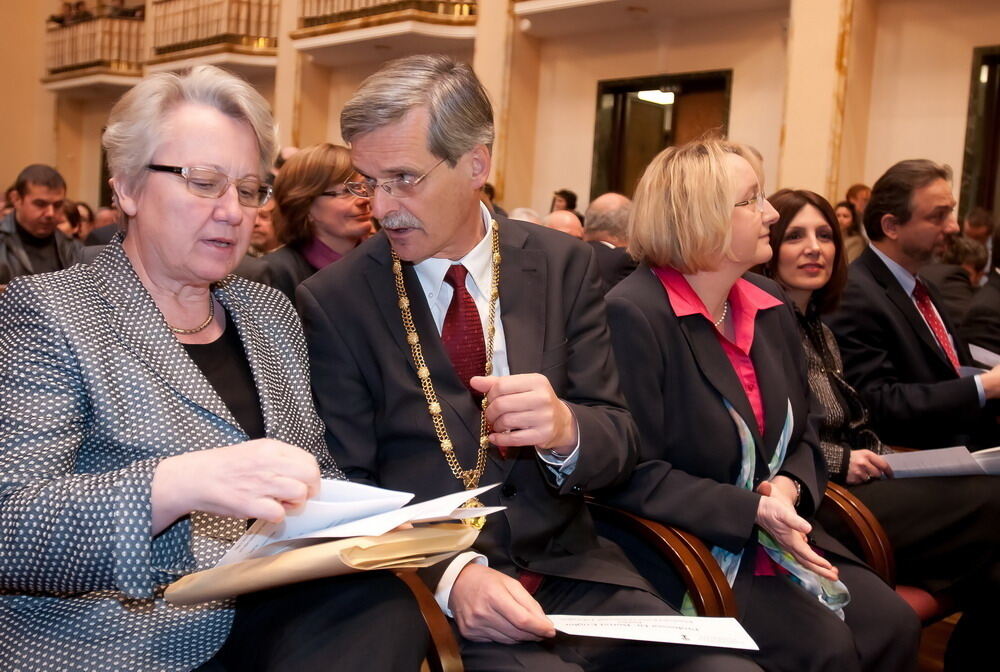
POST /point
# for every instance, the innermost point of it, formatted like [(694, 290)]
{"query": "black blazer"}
[(378, 427), (916, 398), (674, 375), (286, 268), (613, 263), (982, 322)]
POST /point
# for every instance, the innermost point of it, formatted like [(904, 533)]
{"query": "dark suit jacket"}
[(379, 429), (982, 322), (890, 356), (286, 268), (954, 287), (613, 263), (674, 375)]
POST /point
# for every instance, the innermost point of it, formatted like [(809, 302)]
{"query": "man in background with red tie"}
[(456, 349), (900, 349)]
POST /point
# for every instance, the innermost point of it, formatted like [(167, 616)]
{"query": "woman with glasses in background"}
[(151, 403), (318, 219), (713, 374)]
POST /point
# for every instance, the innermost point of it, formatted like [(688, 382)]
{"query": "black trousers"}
[(366, 621), (564, 653)]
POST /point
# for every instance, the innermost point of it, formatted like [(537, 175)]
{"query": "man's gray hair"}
[(461, 115), (608, 214), (135, 126)]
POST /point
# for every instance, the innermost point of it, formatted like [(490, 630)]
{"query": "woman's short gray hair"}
[(136, 120), (461, 115)]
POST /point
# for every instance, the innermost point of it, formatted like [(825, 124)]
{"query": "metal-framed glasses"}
[(398, 187), (209, 183), (757, 200), (339, 193)]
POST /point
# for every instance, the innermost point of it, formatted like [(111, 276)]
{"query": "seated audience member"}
[(526, 215), (981, 325), (63, 16), (105, 227), (318, 220), (490, 192), (712, 371), (901, 350), (943, 531), (564, 199), (850, 227), (956, 274), (8, 201), (150, 403), (30, 241), (979, 226), (607, 232), (68, 220), (264, 238), (858, 195), (86, 220), (444, 305), (565, 221)]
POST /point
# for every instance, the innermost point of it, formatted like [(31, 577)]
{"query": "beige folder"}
[(402, 549)]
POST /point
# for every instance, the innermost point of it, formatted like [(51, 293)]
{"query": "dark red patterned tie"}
[(926, 308), (462, 332)]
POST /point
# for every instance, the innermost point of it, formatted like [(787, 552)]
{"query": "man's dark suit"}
[(380, 432), (675, 375), (916, 398), (613, 263), (954, 287), (982, 323)]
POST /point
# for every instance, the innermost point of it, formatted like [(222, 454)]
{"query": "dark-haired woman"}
[(943, 530), (850, 229)]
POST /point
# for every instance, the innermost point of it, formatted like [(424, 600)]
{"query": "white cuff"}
[(562, 466), (443, 591)]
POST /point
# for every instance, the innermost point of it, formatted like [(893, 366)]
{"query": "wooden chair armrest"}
[(868, 532), (443, 655), (686, 553)]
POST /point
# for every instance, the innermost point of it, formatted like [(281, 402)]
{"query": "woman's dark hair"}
[(567, 196), (855, 228), (788, 203)]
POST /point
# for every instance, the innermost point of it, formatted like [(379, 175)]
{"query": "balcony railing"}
[(179, 25), (113, 44), (321, 12)]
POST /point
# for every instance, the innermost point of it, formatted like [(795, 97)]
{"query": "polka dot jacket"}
[(94, 392)]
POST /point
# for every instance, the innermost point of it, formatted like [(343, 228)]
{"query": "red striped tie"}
[(462, 332), (926, 308)]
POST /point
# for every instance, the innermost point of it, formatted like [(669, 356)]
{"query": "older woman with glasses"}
[(712, 371), (943, 530), (151, 403), (318, 218)]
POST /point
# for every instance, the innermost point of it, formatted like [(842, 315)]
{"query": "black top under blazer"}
[(379, 429)]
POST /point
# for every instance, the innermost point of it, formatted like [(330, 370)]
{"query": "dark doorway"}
[(637, 118), (981, 164)]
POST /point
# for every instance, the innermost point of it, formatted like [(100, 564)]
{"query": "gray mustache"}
[(400, 220)]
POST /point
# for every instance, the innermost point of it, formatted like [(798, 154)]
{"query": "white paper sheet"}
[(984, 356), (954, 461), (344, 509), (721, 632)]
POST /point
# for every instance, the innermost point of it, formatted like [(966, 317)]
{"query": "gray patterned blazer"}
[(94, 392)]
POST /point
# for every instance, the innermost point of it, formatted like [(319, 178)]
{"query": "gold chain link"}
[(469, 477)]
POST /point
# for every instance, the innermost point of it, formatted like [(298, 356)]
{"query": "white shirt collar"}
[(478, 261)]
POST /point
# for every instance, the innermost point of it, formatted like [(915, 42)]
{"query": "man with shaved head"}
[(565, 221), (607, 232)]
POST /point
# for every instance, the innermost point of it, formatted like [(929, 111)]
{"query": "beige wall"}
[(27, 115), (751, 45), (920, 81)]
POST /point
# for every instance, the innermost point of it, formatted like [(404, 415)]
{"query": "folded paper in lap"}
[(691, 630), (402, 549), (348, 527), (954, 461)]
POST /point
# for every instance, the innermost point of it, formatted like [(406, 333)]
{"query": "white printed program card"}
[(721, 632)]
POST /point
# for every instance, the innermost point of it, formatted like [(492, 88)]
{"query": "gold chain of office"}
[(469, 477)]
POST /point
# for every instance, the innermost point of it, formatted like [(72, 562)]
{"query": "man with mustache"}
[(456, 349)]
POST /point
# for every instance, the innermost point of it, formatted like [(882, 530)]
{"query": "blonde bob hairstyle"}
[(682, 210), (136, 123), (303, 177)]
